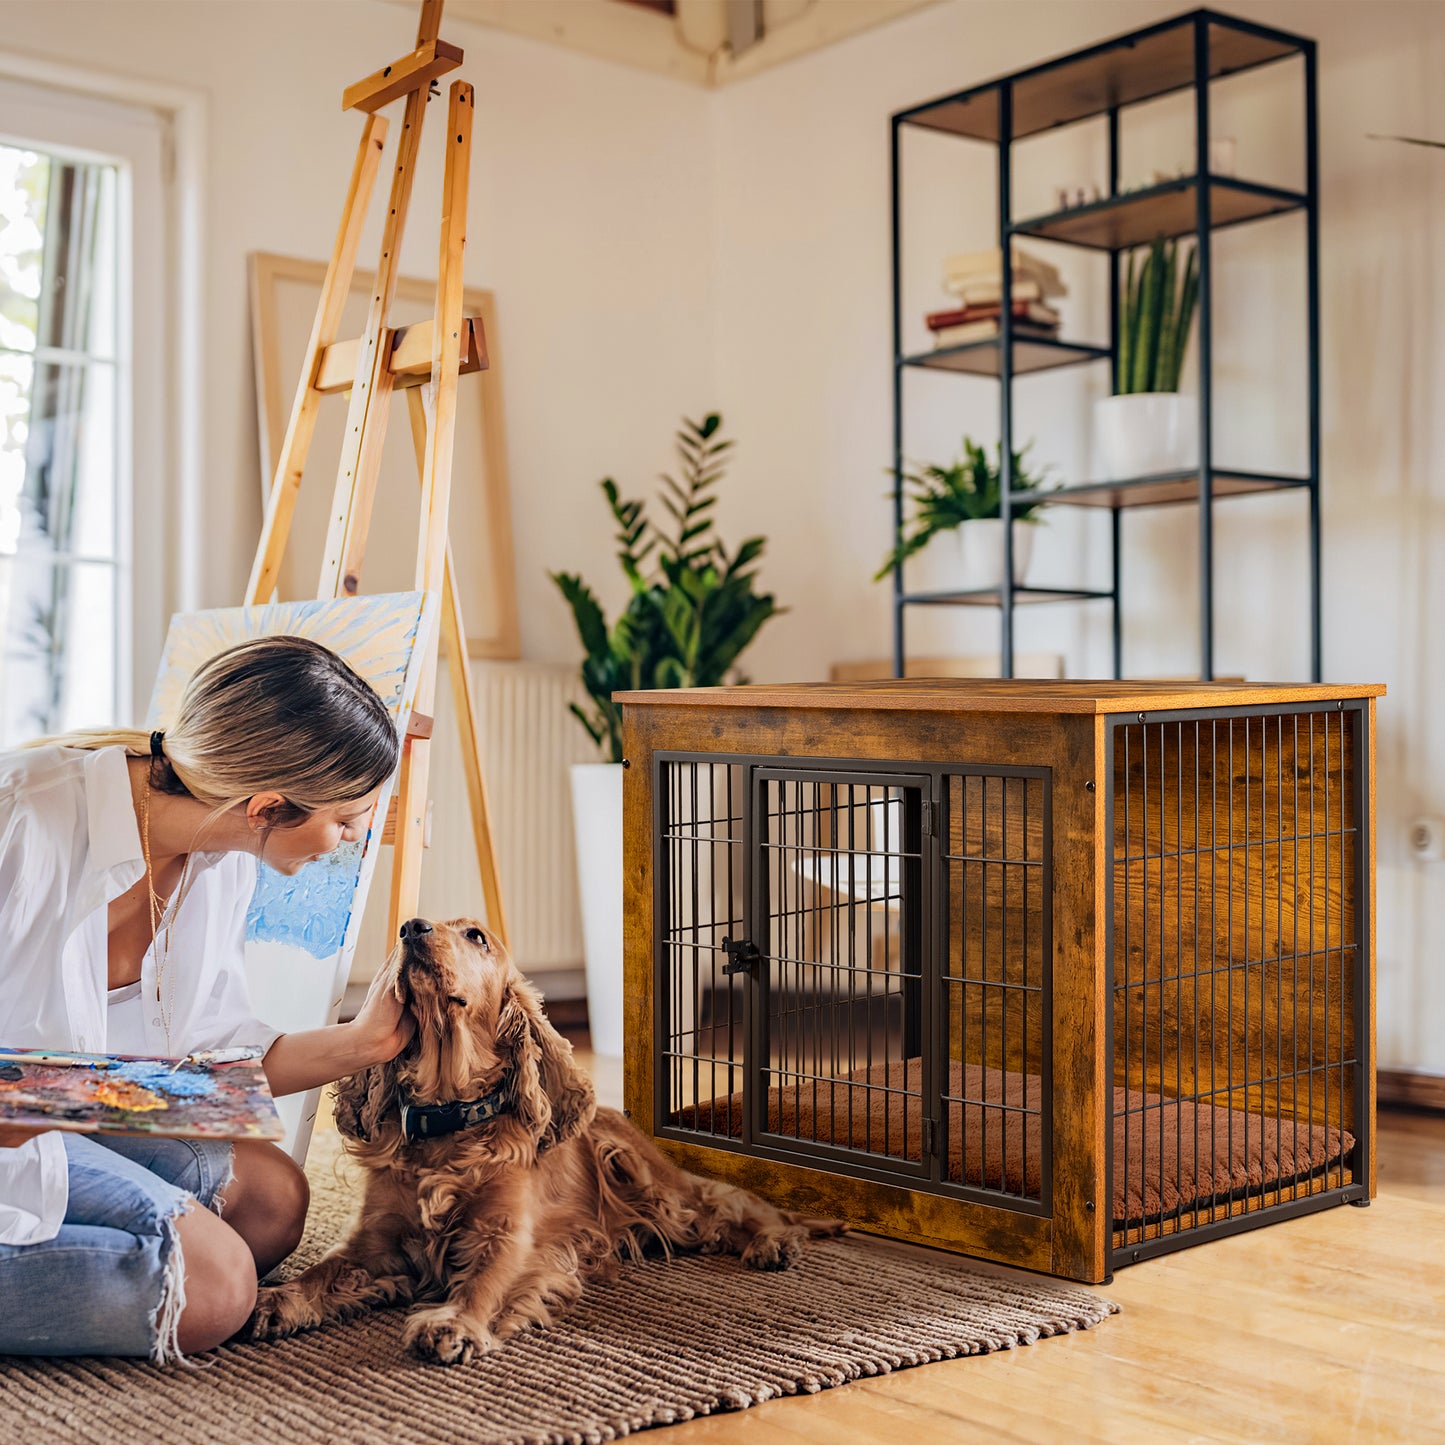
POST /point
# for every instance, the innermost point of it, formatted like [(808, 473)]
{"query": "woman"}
[(127, 861)]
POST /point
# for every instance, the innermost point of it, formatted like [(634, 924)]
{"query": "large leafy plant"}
[(692, 610), (1156, 311), (967, 490)]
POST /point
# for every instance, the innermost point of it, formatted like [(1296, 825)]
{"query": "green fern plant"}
[(692, 609), (1156, 311), (967, 490)]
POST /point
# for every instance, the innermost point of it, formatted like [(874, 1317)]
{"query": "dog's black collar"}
[(433, 1121)]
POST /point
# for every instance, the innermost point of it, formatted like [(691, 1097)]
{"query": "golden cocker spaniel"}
[(495, 1188)]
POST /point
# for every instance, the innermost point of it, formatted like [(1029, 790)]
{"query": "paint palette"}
[(207, 1096)]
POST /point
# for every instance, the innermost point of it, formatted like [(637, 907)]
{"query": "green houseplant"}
[(693, 608), (691, 612), (966, 498), (1146, 427)]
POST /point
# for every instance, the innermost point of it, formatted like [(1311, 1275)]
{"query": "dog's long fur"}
[(494, 1228)]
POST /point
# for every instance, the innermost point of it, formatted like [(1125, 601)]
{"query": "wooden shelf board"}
[(1122, 71), (984, 358), (1166, 489), (1168, 209)]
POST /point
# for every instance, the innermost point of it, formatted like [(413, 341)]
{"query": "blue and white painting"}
[(301, 930)]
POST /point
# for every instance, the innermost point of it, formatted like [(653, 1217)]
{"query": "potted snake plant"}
[(691, 612), (1147, 427)]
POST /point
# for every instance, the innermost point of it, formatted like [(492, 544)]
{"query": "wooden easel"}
[(425, 360)]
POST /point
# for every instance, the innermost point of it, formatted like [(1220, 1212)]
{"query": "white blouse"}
[(69, 844)]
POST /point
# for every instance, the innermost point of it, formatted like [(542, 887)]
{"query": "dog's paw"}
[(780, 1249), (443, 1338), (825, 1228), (279, 1313)]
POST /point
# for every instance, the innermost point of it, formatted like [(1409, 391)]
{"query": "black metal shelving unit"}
[(1185, 52)]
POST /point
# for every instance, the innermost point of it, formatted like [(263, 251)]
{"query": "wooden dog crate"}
[(1063, 975)]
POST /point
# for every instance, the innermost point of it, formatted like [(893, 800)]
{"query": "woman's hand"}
[(382, 1023), (378, 1033)]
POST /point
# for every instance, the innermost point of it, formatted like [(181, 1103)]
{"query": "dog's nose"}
[(414, 928)]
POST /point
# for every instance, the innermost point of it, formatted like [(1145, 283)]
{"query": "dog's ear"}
[(554, 1098), (363, 1100)]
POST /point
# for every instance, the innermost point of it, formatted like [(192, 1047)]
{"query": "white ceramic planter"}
[(980, 553), (1145, 433), (597, 825)]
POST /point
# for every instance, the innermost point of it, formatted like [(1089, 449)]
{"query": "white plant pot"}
[(597, 825), (980, 551), (1146, 433)]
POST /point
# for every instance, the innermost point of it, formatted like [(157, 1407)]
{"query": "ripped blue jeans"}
[(112, 1281)]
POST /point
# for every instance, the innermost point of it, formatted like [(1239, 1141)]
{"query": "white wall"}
[(803, 344), (659, 250), (589, 217)]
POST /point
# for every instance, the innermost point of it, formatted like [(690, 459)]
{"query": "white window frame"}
[(155, 136)]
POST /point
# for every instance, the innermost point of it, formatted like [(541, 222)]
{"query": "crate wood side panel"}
[(1068, 746), (1234, 924), (791, 734), (1081, 1098), (1370, 975), (963, 1227), (639, 1048)]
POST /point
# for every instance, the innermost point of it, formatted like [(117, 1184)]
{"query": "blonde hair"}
[(276, 714)]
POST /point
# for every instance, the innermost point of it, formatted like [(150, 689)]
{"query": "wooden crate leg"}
[(454, 636)]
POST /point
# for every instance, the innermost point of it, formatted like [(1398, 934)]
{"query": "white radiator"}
[(529, 741)]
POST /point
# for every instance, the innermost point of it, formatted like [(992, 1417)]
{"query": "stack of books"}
[(975, 278)]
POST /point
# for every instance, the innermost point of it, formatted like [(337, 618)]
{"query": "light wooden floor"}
[(1325, 1329)]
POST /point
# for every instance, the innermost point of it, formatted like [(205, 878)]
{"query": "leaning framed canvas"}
[(301, 930), (284, 293)]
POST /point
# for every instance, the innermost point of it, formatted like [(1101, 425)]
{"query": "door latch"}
[(743, 954)]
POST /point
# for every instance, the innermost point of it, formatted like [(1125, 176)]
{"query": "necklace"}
[(161, 936)]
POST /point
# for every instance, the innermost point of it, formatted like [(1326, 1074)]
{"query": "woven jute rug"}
[(664, 1342)]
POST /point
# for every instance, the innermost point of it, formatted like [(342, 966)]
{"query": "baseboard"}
[(1400, 1088)]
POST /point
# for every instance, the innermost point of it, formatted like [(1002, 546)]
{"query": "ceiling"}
[(706, 42)]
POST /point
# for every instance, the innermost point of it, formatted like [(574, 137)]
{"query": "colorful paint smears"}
[(116, 1094)]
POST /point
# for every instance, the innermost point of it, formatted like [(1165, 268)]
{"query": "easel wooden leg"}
[(366, 415), (286, 484), (436, 473), (454, 638), (411, 796), (436, 476)]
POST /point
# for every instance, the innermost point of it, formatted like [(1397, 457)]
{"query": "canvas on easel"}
[(301, 929)]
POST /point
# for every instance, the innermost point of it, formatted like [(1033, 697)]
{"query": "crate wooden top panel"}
[(952, 694)]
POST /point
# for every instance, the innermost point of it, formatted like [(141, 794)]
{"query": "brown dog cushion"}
[(1177, 1154)]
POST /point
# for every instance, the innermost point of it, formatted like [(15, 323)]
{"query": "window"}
[(91, 393), (64, 625)]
